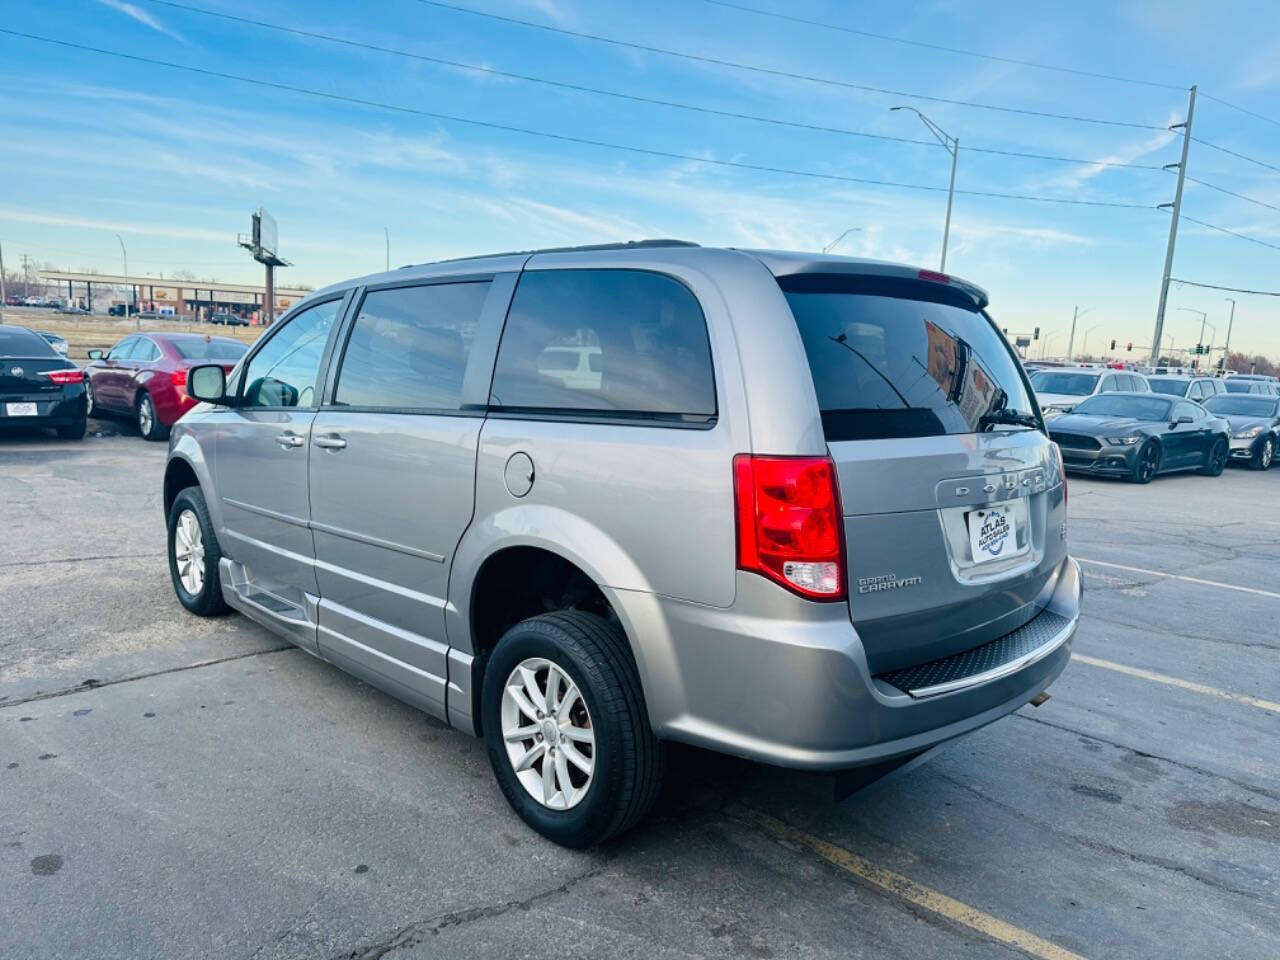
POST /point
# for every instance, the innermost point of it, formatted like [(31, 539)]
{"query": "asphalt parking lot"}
[(175, 787)]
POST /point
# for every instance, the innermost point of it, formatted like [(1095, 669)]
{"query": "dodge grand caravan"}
[(805, 511)]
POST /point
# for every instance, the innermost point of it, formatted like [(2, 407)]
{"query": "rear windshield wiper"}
[(1011, 417)]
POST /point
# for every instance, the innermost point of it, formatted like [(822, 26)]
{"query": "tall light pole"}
[(832, 245), (1203, 319), (1176, 210), (952, 145), (1230, 322), (3, 295), (1084, 341), (133, 293), (1044, 343), (387, 233), (1071, 343)]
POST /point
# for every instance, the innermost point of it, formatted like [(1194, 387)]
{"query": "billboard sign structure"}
[(264, 240)]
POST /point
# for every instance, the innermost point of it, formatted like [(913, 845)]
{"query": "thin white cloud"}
[(1128, 153), (142, 17)]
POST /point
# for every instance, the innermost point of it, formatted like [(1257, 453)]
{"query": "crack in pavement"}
[(415, 933), (104, 556), (1100, 846), (1251, 788), (86, 685)]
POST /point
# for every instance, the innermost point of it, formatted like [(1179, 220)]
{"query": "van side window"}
[(606, 343), (284, 372), (408, 347)]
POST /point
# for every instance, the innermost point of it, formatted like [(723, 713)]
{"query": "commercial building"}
[(194, 299)]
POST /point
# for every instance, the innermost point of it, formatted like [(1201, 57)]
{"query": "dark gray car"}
[(797, 508), (1141, 435), (1255, 426)]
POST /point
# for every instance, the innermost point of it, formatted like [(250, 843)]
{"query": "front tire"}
[(148, 421), (194, 554), (560, 689), (1266, 453), (1148, 463), (1216, 460)]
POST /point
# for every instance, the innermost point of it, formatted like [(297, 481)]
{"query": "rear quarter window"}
[(643, 335), (901, 358)]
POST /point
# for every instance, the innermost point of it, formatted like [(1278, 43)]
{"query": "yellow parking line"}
[(1180, 684), (905, 888), (1177, 576)]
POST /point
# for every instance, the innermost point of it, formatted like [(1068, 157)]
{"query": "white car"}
[(1058, 390)]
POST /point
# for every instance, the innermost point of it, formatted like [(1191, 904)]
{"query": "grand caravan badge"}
[(886, 581)]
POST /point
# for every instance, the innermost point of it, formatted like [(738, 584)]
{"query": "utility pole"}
[(3, 295), (133, 291), (387, 233), (1071, 343), (1173, 226), (1225, 350)]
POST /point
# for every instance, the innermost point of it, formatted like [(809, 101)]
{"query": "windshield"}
[(1071, 384), (1242, 405), (1120, 405), (902, 358), (209, 349), (1169, 385)]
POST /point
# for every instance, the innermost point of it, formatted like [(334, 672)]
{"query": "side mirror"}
[(96, 354), (208, 382)]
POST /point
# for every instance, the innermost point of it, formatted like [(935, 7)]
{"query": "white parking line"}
[(1180, 684), (1177, 576)]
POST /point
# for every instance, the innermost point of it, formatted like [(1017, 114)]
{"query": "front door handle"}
[(331, 442), (289, 440)]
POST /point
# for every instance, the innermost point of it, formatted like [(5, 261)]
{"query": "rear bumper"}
[(796, 692), (57, 410)]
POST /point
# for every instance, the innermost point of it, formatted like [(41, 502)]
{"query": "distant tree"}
[(1257, 363)]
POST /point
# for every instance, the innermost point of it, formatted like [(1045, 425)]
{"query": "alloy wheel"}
[(88, 398), (146, 415), (1218, 457), (188, 551), (1149, 464), (1268, 451), (547, 729)]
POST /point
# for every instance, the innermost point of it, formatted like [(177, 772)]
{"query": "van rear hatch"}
[(954, 514)]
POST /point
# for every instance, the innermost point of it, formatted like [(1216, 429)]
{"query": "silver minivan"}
[(797, 508)]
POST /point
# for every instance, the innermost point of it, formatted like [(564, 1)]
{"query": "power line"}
[(561, 137), (1242, 236), (1214, 286), (1239, 156), (945, 49), (768, 71), (1232, 193), (1233, 106), (637, 98)]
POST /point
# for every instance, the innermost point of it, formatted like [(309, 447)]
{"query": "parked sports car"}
[(1140, 435), (1255, 426), (144, 376)]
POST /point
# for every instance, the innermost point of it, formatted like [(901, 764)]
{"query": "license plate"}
[(20, 409), (993, 533)]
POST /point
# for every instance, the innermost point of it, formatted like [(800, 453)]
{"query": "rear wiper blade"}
[(1011, 417)]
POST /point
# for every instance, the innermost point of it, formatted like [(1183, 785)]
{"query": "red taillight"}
[(933, 276), (64, 376), (789, 523), (179, 378)]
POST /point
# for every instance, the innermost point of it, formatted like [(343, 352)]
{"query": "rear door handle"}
[(331, 442), (288, 440)]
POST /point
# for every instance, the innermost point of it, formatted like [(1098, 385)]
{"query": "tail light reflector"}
[(64, 376), (1062, 472), (788, 520)]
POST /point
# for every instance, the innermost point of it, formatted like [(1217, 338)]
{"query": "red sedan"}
[(145, 376)]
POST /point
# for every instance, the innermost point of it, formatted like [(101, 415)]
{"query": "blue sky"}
[(175, 162)]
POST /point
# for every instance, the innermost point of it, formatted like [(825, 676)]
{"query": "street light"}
[(1076, 315), (1084, 341), (832, 245), (1044, 343), (133, 293), (1230, 322), (1203, 318), (952, 145)]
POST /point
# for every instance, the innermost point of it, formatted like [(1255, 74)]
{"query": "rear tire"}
[(72, 431), (627, 761), (1148, 464), (147, 419), (1266, 453), (1216, 459), (203, 594)]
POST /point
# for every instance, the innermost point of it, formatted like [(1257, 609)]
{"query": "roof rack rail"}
[(626, 245)]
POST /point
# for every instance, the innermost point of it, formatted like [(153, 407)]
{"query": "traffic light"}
[(1036, 335), (1130, 346), (1113, 344)]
